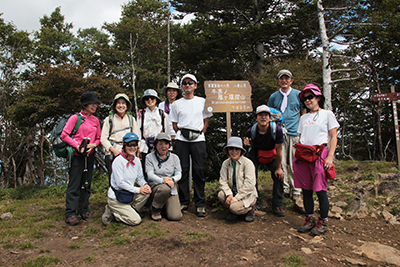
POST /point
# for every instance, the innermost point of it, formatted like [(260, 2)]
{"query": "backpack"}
[(141, 115), (111, 119), (60, 148)]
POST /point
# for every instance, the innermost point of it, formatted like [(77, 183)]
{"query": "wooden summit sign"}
[(228, 96), (394, 96)]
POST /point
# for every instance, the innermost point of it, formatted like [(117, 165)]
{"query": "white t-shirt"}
[(162, 107), (189, 113), (314, 127)]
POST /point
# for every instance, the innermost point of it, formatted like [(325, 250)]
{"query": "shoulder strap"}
[(110, 123), (273, 129), (78, 123), (253, 131), (162, 119), (141, 126)]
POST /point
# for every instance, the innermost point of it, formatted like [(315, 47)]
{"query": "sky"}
[(25, 14)]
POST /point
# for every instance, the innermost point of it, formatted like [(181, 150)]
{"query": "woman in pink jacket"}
[(86, 139)]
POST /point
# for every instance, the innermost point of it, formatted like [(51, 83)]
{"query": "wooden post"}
[(228, 125), (396, 127)]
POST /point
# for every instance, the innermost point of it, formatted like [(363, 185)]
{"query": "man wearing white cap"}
[(190, 121), (288, 102), (265, 140)]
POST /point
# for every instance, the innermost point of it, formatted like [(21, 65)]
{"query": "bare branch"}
[(339, 70), (345, 79), (338, 8), (337, 32), (349, 43)]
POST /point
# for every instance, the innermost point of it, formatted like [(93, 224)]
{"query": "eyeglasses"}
[(188, 83), (309, 97), (131, 144)]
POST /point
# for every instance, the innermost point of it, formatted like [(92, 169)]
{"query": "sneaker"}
[(321, 228), (308, 225), (231, 217), (201, 212), (73, 220), (156, 214), (184, 208), (107, 216), (86, 216), (250, 216), (278, 211)]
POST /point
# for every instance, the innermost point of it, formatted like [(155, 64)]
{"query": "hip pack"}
[(308, 154)]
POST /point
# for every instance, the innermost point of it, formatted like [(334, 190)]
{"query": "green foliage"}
[(24, 246), (120, 240), (90, 259), (191, 236), (74, 246), (42, 261), (294, 260)]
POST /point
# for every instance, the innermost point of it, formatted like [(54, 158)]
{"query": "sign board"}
[(386, 96), (228, 96)]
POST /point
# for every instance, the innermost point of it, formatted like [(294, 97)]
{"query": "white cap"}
[(263, 108), (190, 76)]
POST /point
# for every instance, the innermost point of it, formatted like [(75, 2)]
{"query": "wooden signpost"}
[(228, 96), (393, 96)]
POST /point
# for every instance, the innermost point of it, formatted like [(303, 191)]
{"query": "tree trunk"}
[(326, 55), (40, 169)]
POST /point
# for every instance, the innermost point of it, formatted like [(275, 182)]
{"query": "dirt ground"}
[(209, 241)]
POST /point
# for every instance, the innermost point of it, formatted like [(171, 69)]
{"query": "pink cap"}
[(310, 88)]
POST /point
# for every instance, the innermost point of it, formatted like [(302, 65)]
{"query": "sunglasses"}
[(131, 144), (189, 82), (149, 97), (309, 97), (233, 148)]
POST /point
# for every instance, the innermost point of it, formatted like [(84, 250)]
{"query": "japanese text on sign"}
[(228, 96)]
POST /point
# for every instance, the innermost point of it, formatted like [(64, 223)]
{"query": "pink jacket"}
[(90, 128)]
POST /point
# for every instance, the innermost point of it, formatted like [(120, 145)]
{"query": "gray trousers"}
[(288, 151), (162, 199)]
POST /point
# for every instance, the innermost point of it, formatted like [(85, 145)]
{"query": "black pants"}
[(198, 152), (77, 199), (277, 190)]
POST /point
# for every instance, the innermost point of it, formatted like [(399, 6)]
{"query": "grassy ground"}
[(37, 210)]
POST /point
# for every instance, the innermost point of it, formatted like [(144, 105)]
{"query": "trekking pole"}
[(85, 184)]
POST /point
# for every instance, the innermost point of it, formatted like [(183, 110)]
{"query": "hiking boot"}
[(201, 212), (308, 225), (86, 216), (107, 216), (231, 217), (298, 202), (278, 211), (321, 228), (156, 214), (184, 208), (73, 220), (250, 216)]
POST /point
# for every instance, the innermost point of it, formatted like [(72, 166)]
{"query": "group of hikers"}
[(149, 160)]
